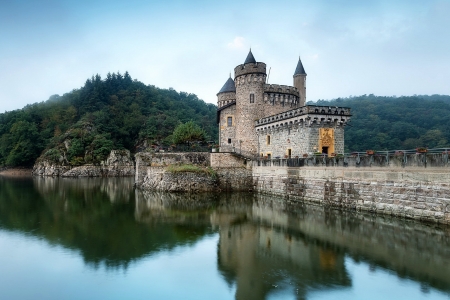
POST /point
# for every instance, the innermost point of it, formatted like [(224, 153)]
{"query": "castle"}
[(272, 121)]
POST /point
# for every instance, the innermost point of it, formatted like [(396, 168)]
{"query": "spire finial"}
[(250, 58), (299, 70)]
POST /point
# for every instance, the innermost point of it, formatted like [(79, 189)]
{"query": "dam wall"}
[(415, 193)]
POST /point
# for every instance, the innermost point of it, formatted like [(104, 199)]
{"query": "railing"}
[(188, 147), (240, 152), (438, 157)]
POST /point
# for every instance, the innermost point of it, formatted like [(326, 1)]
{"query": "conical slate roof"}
[(299, 70), (250, 58), (229, 86)]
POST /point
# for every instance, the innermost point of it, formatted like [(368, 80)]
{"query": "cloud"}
[(237, 43)]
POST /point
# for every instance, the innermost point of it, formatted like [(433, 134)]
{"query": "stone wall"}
[(279, 98), (422, 194), (227, 132), (300, 139), (300, 84), (152, 173), (227, 160), (146, 162), (225, 98), (247, 112)]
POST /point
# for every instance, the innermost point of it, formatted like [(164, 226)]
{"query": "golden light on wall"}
[(326, 140)]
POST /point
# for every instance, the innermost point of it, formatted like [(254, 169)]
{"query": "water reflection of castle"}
[(262, 248), (263, 257), (256, 251), (267, 245)]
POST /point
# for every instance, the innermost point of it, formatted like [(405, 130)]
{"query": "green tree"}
[(188, 132)]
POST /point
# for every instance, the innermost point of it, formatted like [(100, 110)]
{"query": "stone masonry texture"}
[(416, 194)]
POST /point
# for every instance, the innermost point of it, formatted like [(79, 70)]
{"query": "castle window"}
[(268, 140), (230, 121), (229, 141), (252, 98)]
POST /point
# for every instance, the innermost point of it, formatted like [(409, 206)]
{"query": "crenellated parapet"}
[(306, 116), (278, 98), (250, 78), (226, 98), (280, 89), (250, 68)]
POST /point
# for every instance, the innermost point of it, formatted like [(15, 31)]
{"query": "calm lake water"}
[(101, 239)]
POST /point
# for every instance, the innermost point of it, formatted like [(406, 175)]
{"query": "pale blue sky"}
[(347, 47)]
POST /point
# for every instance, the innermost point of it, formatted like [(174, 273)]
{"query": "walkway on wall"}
[(247, 155), (420, 157)]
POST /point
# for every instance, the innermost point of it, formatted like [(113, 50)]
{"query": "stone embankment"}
[(118, 163), (416, 193), (154, 172)]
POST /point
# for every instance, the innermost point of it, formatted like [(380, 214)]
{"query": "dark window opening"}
[(229, 141), (268, 140), (252, 98)]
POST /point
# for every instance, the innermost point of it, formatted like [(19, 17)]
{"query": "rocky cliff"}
[(118, 163)]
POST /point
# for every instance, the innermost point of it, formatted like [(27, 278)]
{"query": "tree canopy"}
[(83, 125), (390, 123), (188, 132)]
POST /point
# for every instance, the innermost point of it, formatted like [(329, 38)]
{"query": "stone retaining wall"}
[(411, 193), (152, 173)]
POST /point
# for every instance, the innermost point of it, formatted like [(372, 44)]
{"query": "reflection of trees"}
[(79, 214), (265, 242)]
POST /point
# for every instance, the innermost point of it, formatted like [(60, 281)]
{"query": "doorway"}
[(289, 152), (325, 150)]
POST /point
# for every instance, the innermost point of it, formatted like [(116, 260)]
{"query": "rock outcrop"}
[(118, 163), (159, 179), (153, 173)]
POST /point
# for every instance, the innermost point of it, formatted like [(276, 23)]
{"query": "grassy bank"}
[(191, 168)]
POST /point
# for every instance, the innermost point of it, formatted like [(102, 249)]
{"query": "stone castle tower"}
[(300, 81), (248, 98), (250, 79)]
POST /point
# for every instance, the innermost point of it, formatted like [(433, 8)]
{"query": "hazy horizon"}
[(348, 48)]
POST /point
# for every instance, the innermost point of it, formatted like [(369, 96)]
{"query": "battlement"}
[(250, 68), (249, 78), (281, 89), (226, 98), (310, 114)]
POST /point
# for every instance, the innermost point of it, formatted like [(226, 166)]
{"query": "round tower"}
[(227, 93), (226, 115), (250, 78), (300, 82)]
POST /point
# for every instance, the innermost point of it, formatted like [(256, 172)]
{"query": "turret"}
[(300, 81), (227, 93), (226, 102)]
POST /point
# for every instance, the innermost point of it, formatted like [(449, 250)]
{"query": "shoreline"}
[(15, 172)]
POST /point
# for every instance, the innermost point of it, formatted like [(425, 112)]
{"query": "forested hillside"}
[(120, 113), (112, 113), (389, 123)]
